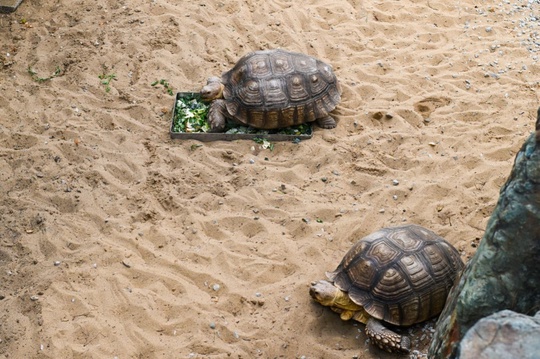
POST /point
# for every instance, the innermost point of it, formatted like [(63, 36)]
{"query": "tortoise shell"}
[(277, 88), (401, 275)]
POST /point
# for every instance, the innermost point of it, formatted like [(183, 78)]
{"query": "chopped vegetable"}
[(191, 114), (264, 143), (297, 130)]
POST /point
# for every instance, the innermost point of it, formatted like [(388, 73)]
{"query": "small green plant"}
[(106, 80), (36, 78), (165, 84)]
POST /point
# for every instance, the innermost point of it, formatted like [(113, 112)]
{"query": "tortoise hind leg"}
[(386, 339), (326, 122)]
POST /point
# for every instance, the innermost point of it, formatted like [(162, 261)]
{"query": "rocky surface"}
[(504, 272), (505, 334)]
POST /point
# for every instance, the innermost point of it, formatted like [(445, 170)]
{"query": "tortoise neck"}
[(343, 300), (220, 93)]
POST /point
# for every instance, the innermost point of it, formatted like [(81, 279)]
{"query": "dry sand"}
[(118, 242)]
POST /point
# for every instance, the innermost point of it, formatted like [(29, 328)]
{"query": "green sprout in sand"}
[(106, 80), (165, 84), (36, 78)]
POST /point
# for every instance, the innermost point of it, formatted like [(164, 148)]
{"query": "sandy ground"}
[(118, 242)]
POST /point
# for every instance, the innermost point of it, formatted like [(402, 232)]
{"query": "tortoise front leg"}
[(386, 339), (217, 116)]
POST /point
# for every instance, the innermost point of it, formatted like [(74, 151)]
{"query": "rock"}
[(505, 334), (504, 272)]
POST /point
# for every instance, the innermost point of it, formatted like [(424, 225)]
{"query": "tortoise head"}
[(327, 294), (213, 89), (323, 292)]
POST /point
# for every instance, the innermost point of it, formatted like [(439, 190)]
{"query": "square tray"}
[(7, 6), (206, 137)]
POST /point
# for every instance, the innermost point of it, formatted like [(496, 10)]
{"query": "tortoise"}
[(397, 275), (272, 89)]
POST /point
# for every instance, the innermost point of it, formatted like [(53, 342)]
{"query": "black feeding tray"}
[(7, 6), (206, 137)]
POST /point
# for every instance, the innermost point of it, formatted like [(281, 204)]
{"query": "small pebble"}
[(216, 287), (57, 263), (381, 210), (34, 298), (258, 294), (213, 325), (252, 161), (395, 197), (395, 182)]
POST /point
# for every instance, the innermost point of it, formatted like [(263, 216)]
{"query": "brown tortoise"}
[(273, 89), (398, 275)]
